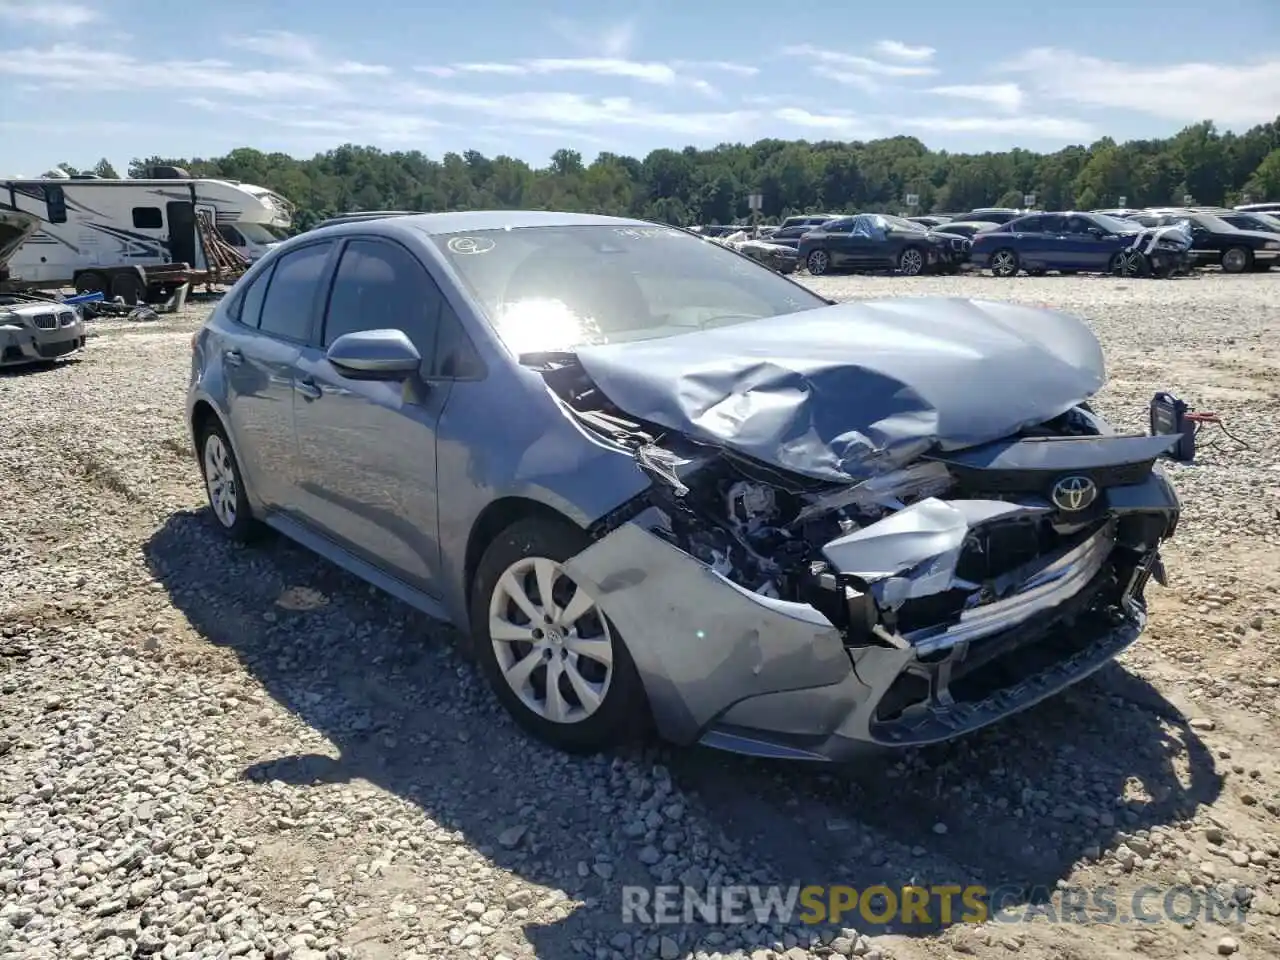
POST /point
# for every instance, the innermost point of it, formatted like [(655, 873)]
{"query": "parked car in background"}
[(1121, 212), (501, 418), (967, 228), (792, 229), (1259, 207), (1214, 242), (1067, 242), (992, 214), (875, 241), (930, 220), (1251, 221)]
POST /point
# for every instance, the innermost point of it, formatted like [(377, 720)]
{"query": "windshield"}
[(256, 232), (1211, 222), (558, 288), (1115, 224)]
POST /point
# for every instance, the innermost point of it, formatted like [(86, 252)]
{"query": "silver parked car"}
[(652, 479), (32, 330)]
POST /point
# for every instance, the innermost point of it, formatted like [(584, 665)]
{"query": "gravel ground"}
[(220, 752)]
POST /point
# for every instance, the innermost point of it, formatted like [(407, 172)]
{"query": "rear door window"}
[(289, 309)]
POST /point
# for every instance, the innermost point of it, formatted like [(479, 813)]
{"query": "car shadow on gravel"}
[(1012, 808)]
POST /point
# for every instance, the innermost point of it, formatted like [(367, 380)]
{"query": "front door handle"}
[(308, 388), (233, 357)]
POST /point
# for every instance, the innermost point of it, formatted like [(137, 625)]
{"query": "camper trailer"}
[(104, 235)]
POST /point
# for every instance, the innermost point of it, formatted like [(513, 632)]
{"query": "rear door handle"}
[(233, 357), (308, 388)]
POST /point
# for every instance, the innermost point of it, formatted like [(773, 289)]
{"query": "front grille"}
[(45, 321), (60, 348)]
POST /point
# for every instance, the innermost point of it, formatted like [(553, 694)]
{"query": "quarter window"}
[(381, 286), (248, 308), (147, 218), (289, 306)]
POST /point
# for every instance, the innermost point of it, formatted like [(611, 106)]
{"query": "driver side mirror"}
[(375, 355)]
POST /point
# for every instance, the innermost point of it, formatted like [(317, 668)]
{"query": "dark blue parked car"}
[(1067, 242)]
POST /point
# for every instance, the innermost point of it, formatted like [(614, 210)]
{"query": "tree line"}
[(692, 186)]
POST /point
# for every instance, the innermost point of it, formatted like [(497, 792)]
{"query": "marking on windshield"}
[(644, 233), (466, 246)]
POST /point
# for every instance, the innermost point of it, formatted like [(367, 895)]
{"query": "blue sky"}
[(125, 78)]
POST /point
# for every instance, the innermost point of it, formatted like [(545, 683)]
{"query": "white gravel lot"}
[(209, 751)]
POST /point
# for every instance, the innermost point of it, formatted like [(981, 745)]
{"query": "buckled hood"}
[(841, 392)]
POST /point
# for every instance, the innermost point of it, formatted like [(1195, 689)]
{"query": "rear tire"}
[(224, 486), (129, 288), (523, 640)]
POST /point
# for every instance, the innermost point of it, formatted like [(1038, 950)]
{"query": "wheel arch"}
[(495, 518), (202, 414)]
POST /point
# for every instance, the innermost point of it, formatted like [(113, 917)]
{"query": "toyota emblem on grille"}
[(1072, 494)]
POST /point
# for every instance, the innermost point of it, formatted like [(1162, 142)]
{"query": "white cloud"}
[(1047, 128), (576, 110), (859, 63), (1240, 94), (834, 124), (71, 66), (725, 66), (846, 77), (661, 74), (898, 50), (613, 42), (61, 16), (1006, 96), (304, 51), (328, 125)]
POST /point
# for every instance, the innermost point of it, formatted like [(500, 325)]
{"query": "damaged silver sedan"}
[(654, 480)]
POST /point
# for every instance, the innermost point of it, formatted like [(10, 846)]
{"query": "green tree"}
[(687, 185)]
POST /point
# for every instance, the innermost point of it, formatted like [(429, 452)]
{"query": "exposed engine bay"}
[(966, 537)]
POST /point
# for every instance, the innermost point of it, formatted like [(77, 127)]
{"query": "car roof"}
[(462, 221)]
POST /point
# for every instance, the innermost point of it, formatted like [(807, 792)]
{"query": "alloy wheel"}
[(553, 646), (1234, 260), (818, 262), (220, 480), (911, 262), (1004, 263)]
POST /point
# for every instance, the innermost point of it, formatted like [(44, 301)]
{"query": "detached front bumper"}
[(738, 671), (22, 344)]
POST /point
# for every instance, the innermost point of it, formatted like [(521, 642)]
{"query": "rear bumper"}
[(734, 670)]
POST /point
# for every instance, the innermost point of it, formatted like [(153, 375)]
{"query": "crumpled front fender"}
[(700, 642)]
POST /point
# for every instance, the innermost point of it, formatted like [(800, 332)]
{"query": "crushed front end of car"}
[(828, 558)]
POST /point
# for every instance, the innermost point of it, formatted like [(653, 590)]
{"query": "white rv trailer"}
[(95, 234)]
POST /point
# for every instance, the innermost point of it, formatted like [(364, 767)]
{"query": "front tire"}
[(224, 486), (1237, 260), (1004, 263), (555, 662), (911, 262), (818, 262), (1129, 263)]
